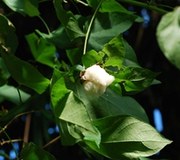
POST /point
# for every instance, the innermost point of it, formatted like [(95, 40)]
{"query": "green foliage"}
[(168, 36), (112, 124), (31, 151), (25, 74), (8, 39), (116, 143), (29, 7), (10, 93), (43, 51)]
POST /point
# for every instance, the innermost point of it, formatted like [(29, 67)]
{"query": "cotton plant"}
[(90, 106)]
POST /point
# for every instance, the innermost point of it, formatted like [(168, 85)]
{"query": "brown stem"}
[(51, 142), (26, 129)]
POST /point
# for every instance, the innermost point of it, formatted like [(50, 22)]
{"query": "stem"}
[(45, 24), (83, 3), (10, 141), (89, 27), (17, 116), (144, 5), (51, 142), (26, 129), (19, 93)]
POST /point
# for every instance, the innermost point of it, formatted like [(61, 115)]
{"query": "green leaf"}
[(92, 57), (135, 79), (68, 20), (119, 53), (74, 55), (78, 123), (112, 6), (8, 38), (29, 7), (4, 74), (10, 93), (58, 91), (33, 152), (108, 25), (168, 33), (43, 51), (111, 104), (128, 138), (58, 37), (25, 74)]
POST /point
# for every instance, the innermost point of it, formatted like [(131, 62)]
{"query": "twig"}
[(45, 24), (144, 5), (51, 142), (17, 116), (26, 129), (20, 97), (89, 27), (83, 3), (10, 141)]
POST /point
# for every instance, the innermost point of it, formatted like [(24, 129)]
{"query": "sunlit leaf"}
[(125, 137), (8, 38), (135, 78), (25, 74), (33, 152), (43, 51), (168, 33), (10, 93), (92, 57), (29, 7), (74, 120), (58, 91)]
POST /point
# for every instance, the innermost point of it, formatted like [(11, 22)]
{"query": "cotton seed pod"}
[(96, 80)]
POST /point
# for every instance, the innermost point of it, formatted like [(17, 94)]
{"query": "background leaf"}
[(58, 37), (68, 20), (10, 93), (106, 26), (25, 74), (43, 51), (33, 152), (29, 7), (168, 33), (8, 38), (4, 74)]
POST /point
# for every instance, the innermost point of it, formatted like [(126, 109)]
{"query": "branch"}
[(145, 5), (51, 142), (89, 27)]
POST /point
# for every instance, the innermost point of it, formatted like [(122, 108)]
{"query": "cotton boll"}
[(93, 88), (96, 79)]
